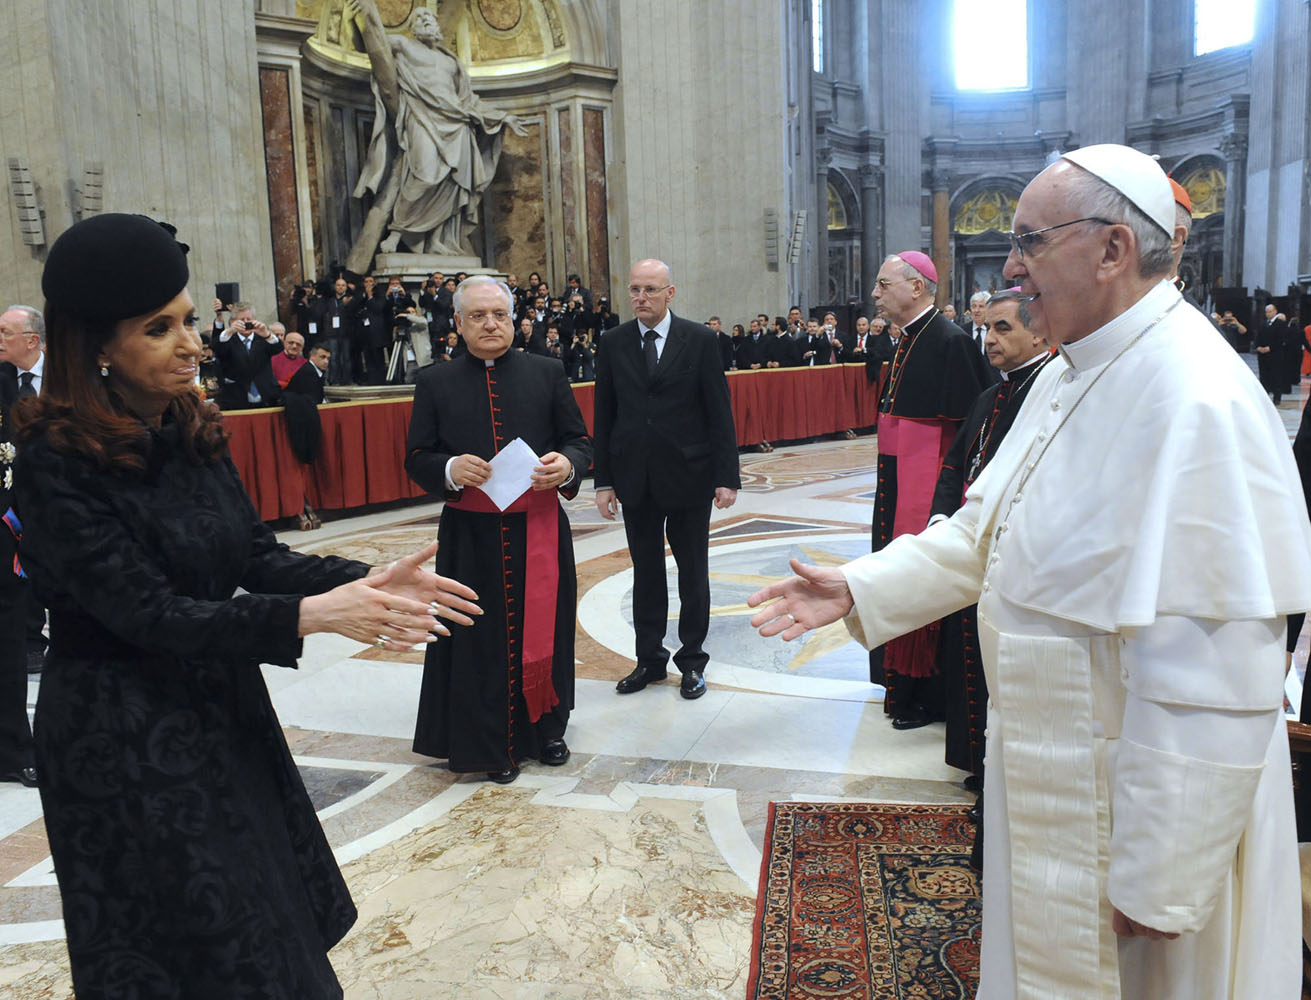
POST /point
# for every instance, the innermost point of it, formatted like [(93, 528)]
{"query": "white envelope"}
[(512, 473)]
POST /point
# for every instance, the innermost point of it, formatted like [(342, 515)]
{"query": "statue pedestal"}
[(414, 268)]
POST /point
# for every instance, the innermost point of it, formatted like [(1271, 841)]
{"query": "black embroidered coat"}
[(189, 859)]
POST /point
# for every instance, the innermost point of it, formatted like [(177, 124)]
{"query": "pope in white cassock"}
[(1133, 548)]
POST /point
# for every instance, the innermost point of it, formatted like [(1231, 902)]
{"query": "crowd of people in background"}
[(374, 330)]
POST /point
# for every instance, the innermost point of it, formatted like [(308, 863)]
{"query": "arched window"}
[(837, 211), (1220, 24), (992, 44), (817, 35)]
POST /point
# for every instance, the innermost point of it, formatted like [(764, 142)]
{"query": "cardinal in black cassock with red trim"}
[(935, 377), (500, 692)]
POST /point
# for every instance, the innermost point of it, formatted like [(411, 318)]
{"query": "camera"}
[(248, 325)]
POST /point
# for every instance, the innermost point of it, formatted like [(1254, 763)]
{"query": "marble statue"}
[(435, 144)]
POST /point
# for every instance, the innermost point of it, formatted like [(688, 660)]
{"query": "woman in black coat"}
[(189, 859)]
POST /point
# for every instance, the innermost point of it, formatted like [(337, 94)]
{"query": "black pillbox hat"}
[(114, 266)]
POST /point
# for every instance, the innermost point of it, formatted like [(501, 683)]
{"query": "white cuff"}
[(450, 483), (1174, 841)]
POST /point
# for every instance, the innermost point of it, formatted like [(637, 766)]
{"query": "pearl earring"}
[(104, 371)]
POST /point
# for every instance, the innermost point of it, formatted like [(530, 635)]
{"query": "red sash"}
[(919, 446), (541, 575)]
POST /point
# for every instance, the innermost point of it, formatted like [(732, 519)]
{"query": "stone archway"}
[(981, 214)]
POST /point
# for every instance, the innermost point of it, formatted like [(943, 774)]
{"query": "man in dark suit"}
[(814, 348), (976, 325), (21, 329), (576, 288), (1271, 353), (244, 351), (665, 448), (310, 380), (751, 354)]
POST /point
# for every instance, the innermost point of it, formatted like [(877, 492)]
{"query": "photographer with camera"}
[(577, 318), (581, 362), (1232, 331), (371, 333), (332, 322), (411, 348), (244, 350)]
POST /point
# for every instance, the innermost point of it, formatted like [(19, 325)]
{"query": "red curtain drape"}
[(362, 460)]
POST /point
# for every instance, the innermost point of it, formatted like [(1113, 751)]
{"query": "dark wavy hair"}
[(78, 414)]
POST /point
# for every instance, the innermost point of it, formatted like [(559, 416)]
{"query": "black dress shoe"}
[(555, 753), (503, 777), (693, 685), (973, 783), (975, 815), (911, 718), (639, 679), (24, 775)]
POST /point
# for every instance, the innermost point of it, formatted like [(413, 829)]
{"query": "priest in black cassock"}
[(935, 377), (502, 693), (1019, 356)]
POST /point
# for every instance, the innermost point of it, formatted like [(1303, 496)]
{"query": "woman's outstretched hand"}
[(817, 595), (394, 608), (409, 577)]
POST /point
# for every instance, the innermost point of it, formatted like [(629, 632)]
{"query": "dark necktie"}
[(26, 388), (649, 349)]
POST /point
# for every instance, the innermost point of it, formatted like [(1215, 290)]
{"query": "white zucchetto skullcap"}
[(1134, 174)]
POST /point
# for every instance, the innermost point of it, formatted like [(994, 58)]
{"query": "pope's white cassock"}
[(1132, 547)]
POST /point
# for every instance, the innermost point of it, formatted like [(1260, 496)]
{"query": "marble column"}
[(1233, 147), (871, 227), (941, 152), (823, 161)]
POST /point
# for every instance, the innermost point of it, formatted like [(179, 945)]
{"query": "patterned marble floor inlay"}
[(631, 870)]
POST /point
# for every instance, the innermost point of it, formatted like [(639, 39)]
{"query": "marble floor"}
[(631, 870)]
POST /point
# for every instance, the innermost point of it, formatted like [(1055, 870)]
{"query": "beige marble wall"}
[(698, 149), (517, 203), (166, 94)]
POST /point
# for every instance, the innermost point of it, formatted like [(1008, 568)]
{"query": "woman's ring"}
[(792, 617), (382, 641)]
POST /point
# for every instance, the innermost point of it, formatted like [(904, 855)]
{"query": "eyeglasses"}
[(884, 283), (648, 291), (1021, 242)]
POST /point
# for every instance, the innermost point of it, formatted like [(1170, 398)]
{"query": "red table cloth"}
[(362, 461)]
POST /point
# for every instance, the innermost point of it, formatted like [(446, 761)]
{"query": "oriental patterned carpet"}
[(866, 901)]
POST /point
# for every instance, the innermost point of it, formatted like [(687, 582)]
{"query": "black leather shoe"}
[(911, 718), (693, 685), (973, 783), (555, 753), (639, 679), (503, 777), (24, 775), (975, 815)]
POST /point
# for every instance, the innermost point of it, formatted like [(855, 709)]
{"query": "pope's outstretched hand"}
[(817, 595)]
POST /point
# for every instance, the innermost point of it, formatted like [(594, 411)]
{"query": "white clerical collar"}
[(918, 316), (661, 329), (1110, 339), (1014, 372)]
